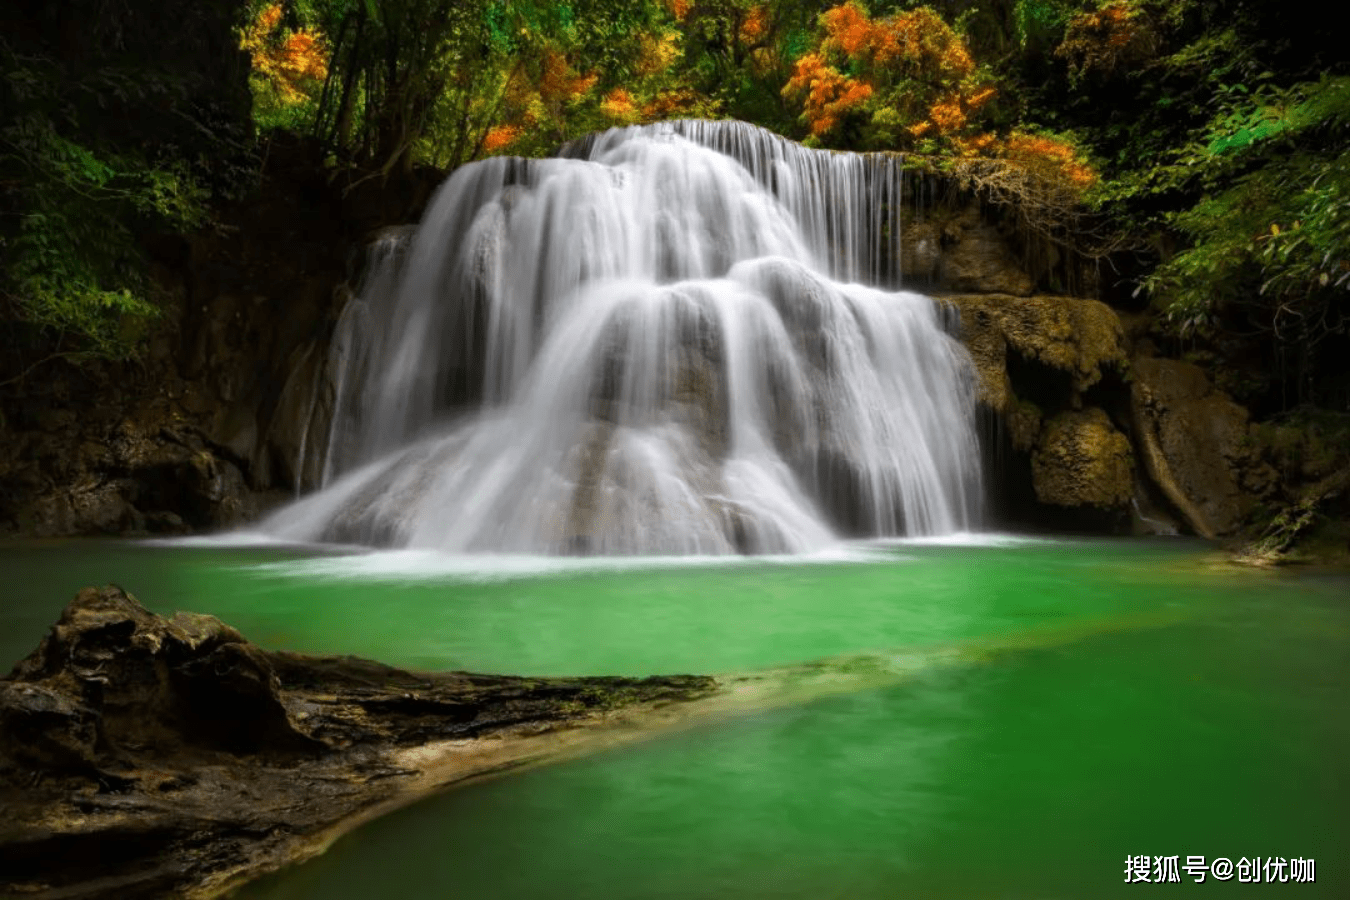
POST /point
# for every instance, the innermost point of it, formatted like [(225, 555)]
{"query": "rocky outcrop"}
[(207, 427), (960, 250), (1195, 442), (151, 757), (104, 474), (1051, 372), (1079, 342), (1081, 460), (1103, 433)]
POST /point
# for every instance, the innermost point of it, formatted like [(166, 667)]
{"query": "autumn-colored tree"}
[(542, 91), (553, 95), (1099, 41), (289, 65), (906, 80)]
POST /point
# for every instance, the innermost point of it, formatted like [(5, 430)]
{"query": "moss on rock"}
[(1082, 460), (1082, 339), (1024, 425)]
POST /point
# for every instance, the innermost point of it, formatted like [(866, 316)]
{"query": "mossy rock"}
[(1024, 425), (1081, 460), (1081, 339)]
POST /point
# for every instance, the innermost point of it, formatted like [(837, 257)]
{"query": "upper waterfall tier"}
[(674, 338)]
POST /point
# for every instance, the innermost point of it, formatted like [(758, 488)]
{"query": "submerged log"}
[(146, 757)]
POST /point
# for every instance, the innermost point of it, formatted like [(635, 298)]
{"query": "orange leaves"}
[(1117, 33), (810, 68), (848, 29), (538, 96), (558, 82), (829, 94), (680, 8), (500, 137), (268, 19), (979, 98), (923, 40), (951, 114), (1049, 158), (618, 104), (947, 115), (1111, 25), (755, 26), (674, 103), (911, 70), (287, 62), (304, 56), (852, 95), (975, 145), (917, 40)]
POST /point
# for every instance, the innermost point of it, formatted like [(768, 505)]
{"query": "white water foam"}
[(433, 565)]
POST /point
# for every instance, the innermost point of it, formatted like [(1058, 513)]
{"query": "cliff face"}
[(201, 433)]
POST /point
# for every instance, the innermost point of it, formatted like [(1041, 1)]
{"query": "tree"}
[(903, 81), (107, 133)]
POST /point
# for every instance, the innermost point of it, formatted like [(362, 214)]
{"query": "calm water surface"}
[(1141, 701)]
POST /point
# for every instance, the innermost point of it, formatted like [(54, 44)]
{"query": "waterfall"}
[(678, 338)]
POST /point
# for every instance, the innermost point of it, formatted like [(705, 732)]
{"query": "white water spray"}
[(662, 346)]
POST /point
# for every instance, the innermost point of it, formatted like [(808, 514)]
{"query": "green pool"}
[(1067, 704)]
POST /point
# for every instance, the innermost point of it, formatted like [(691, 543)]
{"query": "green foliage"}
[(1246, 119), (1274, 232), (70, 264), (1039, 23)]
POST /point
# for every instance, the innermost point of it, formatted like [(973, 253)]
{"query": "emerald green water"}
[(1107, 698)]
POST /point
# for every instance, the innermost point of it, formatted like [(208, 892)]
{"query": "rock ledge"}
[(144, 757)]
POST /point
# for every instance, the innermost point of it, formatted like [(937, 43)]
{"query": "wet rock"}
[(690, 390), (143, 473), (1081, 460), (150, 757), (1194, 441), (290, 452), (46, 730), (1023, 422), (958, 250), (1077, 341), (153, 684)]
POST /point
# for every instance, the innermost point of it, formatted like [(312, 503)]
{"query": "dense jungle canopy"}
[(1194, 151)]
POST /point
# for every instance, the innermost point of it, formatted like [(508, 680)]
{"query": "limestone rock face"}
[(962, 252), (1080, 339), (299, 423), (1083, 461), (146, 472), (1194, 441)]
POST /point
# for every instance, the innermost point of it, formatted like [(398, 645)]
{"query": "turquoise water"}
[(1109, 698)]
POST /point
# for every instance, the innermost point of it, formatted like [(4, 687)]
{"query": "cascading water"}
[(666, 346)]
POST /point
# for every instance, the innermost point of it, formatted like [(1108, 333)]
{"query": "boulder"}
[(1081, 460), (113, 679), (144, 757)]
